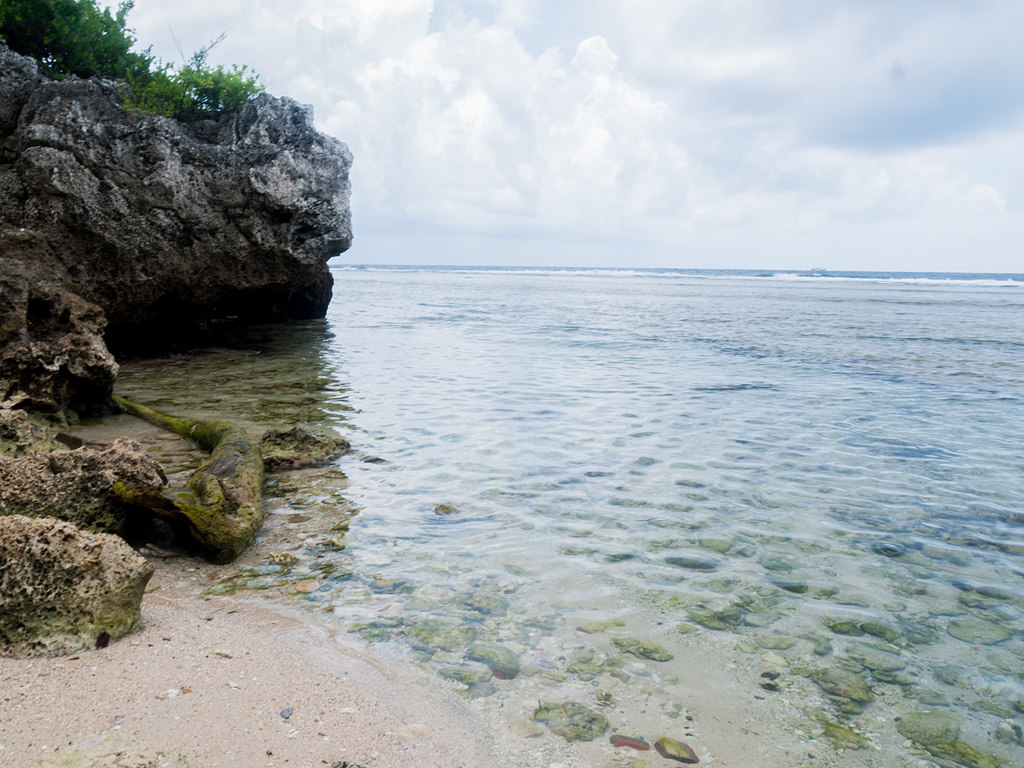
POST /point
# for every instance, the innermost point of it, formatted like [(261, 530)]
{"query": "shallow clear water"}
[(793, 474)]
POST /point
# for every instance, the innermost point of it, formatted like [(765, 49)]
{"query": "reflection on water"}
[(569, 487)]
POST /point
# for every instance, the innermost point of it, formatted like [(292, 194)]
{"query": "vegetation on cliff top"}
[(77, 37)]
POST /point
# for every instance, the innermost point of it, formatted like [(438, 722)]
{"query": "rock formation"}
[(90, 488), (135, 233), (63, 590)]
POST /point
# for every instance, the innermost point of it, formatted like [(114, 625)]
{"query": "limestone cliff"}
[(131, 233)]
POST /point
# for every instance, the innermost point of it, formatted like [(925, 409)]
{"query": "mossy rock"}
[(499, 659), (593, 627), (841, 736), (299, 448), (376, 631), (938, 732), (847, 689), (880, 629), (571, 721), (483, 603), (465, 674), (775, 642), (883, 664), (644, 649), (846, 627), (731, 617), (796, 586), (434, 634), (978, 631), (693, 561)]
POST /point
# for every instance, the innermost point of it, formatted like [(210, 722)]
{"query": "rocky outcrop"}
[(141, 232), (52, 354), (63, 590), (90, 488)]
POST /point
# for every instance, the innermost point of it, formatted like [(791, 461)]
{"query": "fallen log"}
[(220, 507)]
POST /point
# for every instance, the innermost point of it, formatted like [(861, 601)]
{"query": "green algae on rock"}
[(938, 732), (299, 448), (644, 649), (432, 634), (499, 659), (841, 736), (673, 749), (571, 721), (846, 689), (978, 631), (220, 507)]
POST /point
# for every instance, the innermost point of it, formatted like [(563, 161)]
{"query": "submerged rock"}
[(930, 727), (882, 664), (978, 631), (64, 590), (434, 634), (847, 689), (673, 749), (571, 721), (841, 736), (693, 561), (499, 659), (938, 732), (645, 649), (299, 448)]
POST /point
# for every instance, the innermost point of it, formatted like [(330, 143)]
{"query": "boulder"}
[(64, 590), (87, 487)]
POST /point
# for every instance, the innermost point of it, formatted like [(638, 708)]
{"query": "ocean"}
[(776, 515)]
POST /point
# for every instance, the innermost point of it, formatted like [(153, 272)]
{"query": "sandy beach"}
[(219, 682)]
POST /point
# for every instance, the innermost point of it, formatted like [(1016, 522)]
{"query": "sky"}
[(785, 134)]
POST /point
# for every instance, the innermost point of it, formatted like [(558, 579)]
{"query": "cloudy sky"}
[(856, 134)]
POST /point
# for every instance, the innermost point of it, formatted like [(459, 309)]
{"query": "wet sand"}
[(221, 682)]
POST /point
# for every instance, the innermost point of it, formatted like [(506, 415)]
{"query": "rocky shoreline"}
[(123, 233)]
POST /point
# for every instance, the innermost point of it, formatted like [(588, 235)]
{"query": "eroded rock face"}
[(52, 354), (63, 590), (86, 487), (162, 230)]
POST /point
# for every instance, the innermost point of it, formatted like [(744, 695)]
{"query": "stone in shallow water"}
[(847, 689), (571, 721), (484, 604), (776, 643), (642, 648), (846, 627), (929, 727), (841, 736), (882, 664), (731, 617), (465, 674), (673, 749), (978, 631), (446, 635), (937, 731), (499, 659), (693, 561)]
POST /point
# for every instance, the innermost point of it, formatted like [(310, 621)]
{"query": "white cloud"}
[(749, 133)]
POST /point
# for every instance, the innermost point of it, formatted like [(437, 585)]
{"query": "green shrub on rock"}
[(77, 38)]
